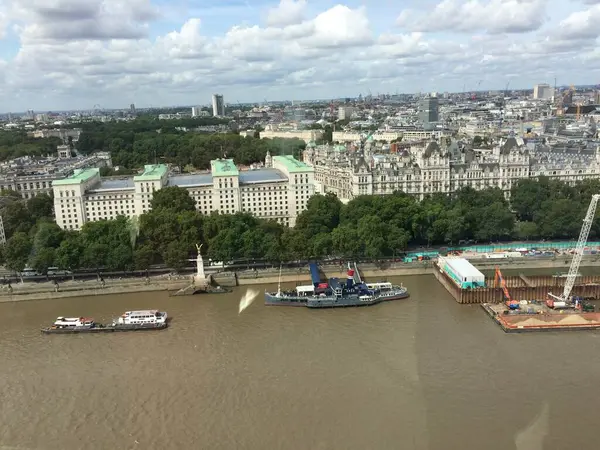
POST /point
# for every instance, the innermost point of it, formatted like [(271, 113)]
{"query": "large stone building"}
[(33, 176), (444, 167), (280, 191), (305, 135), (405, 134)]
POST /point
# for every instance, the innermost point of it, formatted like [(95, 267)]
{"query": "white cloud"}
[(66, 20), (495, 16), (288, 12), (581, 24), (127, 53)]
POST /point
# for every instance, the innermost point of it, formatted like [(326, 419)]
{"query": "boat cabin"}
[(305, 291), (72, 322), (336, 287), (144, 316), (382, 286)]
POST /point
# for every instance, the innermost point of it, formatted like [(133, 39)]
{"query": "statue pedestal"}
[(200, 281)]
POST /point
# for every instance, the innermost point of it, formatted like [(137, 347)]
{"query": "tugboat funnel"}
[(350, 280)]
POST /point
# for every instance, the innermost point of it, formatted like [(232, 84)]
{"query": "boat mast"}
[(279, 283)]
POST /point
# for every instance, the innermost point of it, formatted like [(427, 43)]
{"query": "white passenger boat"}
[(143, 317)]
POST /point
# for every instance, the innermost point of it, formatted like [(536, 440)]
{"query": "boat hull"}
[(331, 301), (274, 300), (106, 329), (350, 302)]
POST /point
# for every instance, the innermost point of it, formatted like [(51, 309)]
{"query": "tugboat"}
[(129, 321), (335, 293)]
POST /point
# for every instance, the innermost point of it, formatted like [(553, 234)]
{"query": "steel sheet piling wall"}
[(586, 286)]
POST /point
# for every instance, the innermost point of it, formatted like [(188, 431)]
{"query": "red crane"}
[(499, 279)]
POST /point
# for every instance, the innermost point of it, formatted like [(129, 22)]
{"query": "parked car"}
[(56, 271), (28, 273)]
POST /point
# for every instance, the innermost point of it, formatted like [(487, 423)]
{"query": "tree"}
[(496, 222), (105, 242), (69, 253), (41, 206), (526, 230), (322, 245), (144, 256), (17, 250), (120, 257), (16, 218), (322, 215), (48, 235), (527, 196), (176, 255), (346, 242), (372, 232), (560, 219), (174, 198), (43, 259)]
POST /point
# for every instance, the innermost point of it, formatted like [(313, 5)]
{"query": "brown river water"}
[(420, 373)]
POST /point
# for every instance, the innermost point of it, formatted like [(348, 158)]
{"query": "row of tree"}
[(17, 143), (134, 143), (366, 227), (137, 142)]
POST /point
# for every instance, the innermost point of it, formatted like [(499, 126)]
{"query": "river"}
[(421, 373)]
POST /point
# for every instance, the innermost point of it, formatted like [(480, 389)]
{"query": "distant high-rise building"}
[(218, 105), (597, 97), (542, 92), (195, 111), (345, 112), (132, 108), (429, 111)]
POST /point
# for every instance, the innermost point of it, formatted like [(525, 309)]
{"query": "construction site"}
[(529, 303)]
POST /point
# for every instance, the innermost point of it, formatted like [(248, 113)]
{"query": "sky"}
[(75, 54)]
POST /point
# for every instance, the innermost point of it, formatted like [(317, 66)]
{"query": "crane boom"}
[(583, 237), (499, 280)]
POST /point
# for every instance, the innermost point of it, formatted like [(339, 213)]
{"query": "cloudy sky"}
[(74, 54)]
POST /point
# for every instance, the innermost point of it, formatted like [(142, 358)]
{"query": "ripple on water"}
[(413, 374)]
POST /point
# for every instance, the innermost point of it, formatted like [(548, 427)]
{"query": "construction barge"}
[(520, 304)]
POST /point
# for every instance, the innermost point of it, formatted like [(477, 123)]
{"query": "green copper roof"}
[(292, 164), (223, 168), (79, 176), (152, 172)]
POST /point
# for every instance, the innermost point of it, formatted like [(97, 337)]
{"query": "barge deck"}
[(549, 321)]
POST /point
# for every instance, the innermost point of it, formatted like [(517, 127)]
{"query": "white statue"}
[(199, 264)]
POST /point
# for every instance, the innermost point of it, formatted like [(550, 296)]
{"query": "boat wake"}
[(247, 299)]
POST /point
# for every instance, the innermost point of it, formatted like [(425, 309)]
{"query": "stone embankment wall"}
[(39, 291), (46, 291)]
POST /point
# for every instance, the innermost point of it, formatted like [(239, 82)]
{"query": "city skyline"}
[(73, 54)]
